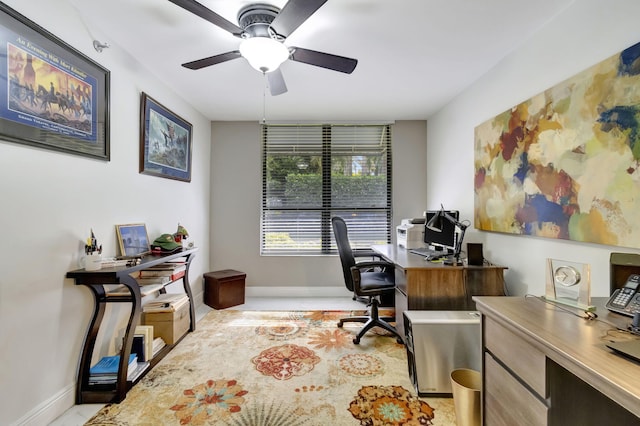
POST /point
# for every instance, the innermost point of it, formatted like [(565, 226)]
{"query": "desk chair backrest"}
[(347, 259)]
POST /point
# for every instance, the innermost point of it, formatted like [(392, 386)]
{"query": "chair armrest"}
[(372, 289), (366, 253), (360, 252), (373, 264)]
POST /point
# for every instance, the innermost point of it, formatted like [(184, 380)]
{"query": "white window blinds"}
[(311, 173)]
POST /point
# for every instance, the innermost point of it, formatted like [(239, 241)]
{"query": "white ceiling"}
[(414, 55)]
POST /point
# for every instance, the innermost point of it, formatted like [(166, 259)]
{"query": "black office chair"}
[(370, 279)]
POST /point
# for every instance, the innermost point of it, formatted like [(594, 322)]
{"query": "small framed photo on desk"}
[(133, 239)]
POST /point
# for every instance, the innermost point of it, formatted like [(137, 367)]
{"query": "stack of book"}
[(106, 370), (146, 290), (162, 274), (158, 344), (167, 302), (133, 374), (144, 281), (112, 262)]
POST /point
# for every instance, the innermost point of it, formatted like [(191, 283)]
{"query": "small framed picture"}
[(165, 142), (133, 239)]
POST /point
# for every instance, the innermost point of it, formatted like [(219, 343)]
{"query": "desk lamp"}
[(435, 224)]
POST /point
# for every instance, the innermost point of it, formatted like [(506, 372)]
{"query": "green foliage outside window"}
[(306, 191)]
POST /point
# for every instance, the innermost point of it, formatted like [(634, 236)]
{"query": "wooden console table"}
[(543, 365), (95, 281), (423, 285)]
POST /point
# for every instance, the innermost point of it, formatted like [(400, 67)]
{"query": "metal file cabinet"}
[(439, 342)]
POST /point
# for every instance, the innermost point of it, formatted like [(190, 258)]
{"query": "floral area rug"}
[(271, 368)]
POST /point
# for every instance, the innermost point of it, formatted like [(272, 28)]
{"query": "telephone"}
[(626, 300)]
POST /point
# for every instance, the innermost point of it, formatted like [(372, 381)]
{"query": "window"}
[(311, 173)]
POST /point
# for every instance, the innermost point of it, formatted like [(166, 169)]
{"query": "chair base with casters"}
[(372, 320)]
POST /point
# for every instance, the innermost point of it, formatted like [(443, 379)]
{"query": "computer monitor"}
[(445, 240)]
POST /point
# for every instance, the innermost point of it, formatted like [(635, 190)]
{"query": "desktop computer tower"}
[(439, 342)]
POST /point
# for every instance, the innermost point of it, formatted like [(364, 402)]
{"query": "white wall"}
[(583, 35), (50, 201), (235, 208)]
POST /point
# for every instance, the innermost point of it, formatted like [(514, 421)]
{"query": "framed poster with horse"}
[(53, 96), (165, 141)]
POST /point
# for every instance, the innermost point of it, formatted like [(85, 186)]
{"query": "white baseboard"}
[(263, 291), (50, 409)]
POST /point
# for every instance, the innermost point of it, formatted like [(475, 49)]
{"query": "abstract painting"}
[(565, 163)]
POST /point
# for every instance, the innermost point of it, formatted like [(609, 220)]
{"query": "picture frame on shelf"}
[(54, 97), (165, 141), (133, 239)]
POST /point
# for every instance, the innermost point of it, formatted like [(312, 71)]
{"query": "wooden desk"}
[(545, 366), (423, 285)]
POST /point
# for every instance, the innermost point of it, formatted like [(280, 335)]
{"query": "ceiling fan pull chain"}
[(264, 98)]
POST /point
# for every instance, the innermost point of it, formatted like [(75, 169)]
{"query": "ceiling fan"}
[(263, 29)]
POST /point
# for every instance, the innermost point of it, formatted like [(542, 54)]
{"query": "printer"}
[(410, 233)]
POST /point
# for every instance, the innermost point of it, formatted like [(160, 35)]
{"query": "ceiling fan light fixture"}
[(263, 53)]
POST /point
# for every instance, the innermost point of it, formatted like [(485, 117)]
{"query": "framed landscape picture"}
[(133, 239), (165, 142), (52, 96)]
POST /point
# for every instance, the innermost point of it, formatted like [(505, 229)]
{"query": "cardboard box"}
[(171, 326), (223, 289)]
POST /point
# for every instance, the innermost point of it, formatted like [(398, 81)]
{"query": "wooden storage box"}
[(171, 326), (223, 289)]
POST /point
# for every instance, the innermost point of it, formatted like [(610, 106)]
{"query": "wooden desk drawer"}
[(524, 360), (506, 401)]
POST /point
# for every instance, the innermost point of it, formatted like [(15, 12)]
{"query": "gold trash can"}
[(465, 387)]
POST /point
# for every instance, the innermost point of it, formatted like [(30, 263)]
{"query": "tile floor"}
[(79, 414)]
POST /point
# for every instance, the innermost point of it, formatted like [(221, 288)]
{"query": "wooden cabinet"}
[(515, 390), (448, 288), (544, 366), (508, 401), (524, 360), (96, 282), (422, 285)]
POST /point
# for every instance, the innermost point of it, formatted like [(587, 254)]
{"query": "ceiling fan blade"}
[(209, 15), (324, 60), (212, 60), (276, 82), (293, 14)]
